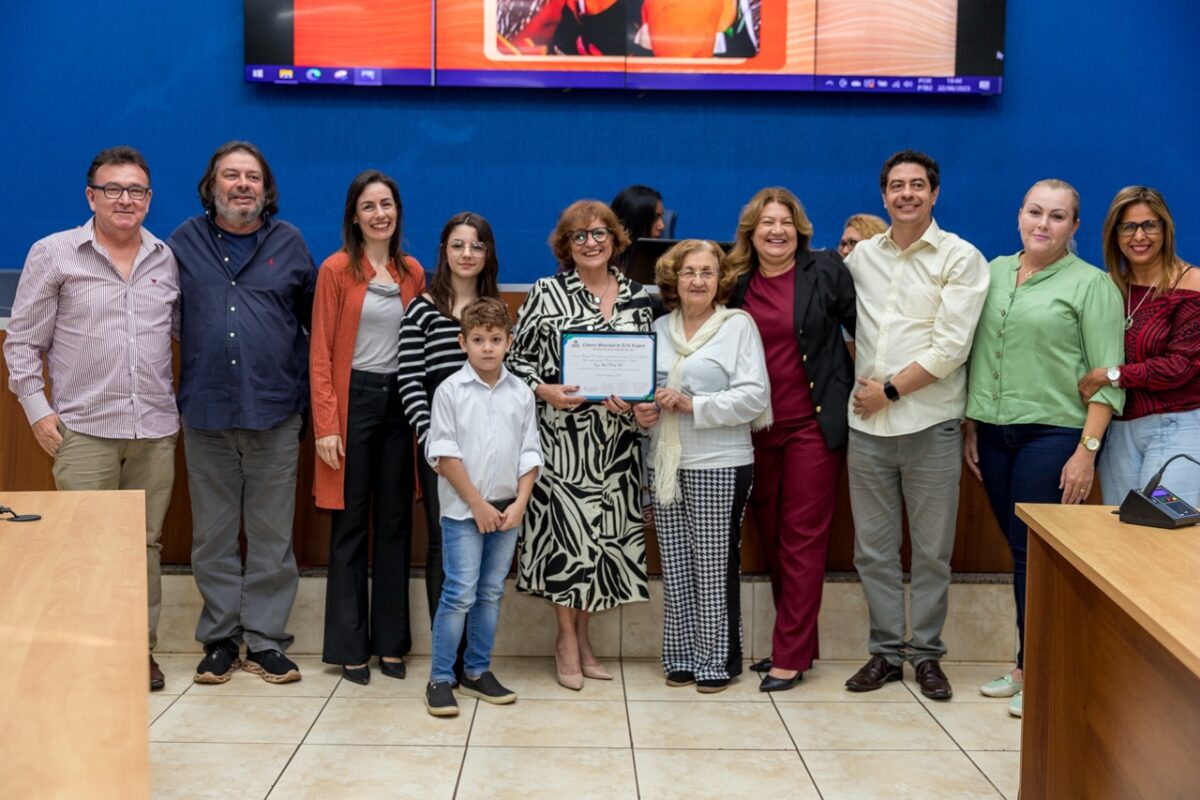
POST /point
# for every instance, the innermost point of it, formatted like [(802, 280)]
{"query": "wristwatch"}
[(1090, 442), (890, 391), (1114, 376)]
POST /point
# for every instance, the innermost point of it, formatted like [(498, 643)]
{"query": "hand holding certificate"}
[(606, 364)]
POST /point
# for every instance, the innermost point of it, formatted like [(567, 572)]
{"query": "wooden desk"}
[(1112, 643), (73, 666)]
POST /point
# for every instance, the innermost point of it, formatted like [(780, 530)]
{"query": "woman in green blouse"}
[(1049, 318)]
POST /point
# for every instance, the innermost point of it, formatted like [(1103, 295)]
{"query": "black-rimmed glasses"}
[(599, 235), (113, 191), (1150, 227)]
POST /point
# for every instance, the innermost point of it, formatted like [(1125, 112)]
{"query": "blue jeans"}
[(1022, 464), (475, 565), (1135, 450)]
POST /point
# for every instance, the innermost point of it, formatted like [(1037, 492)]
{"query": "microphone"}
[(1156, 505), (18, 517)]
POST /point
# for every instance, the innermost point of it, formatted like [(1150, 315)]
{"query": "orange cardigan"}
[(337, 308)]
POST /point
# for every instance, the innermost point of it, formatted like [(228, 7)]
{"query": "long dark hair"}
[(270, 191), (637, 208), (441, 288), (352, 236)]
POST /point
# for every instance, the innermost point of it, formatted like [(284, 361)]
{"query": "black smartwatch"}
[(890, 391)]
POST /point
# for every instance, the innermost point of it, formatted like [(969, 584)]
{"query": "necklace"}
[(601, 297), (1128, 300)]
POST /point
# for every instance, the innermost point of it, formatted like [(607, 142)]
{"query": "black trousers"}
[(378, 488)]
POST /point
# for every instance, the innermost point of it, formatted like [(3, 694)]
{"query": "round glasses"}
[(113, 191), (458, 245), (599, 235)]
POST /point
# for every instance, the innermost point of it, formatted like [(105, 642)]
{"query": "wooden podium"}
[(73, 665), (1112, 658)]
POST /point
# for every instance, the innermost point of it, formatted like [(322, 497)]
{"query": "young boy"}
[(483, 442)]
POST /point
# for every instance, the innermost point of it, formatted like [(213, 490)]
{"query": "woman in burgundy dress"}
[(801, 300)]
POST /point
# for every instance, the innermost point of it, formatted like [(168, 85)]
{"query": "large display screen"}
[(936, 46)]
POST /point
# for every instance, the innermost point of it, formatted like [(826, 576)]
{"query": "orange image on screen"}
[(381, 33), (871, 37)]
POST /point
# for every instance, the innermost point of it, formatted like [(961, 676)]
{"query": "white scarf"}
[(668, 452)]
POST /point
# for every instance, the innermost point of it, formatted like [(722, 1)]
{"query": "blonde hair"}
[(743, 257), (1059, 185), (666, 271), (867, 225), (1114, 259)]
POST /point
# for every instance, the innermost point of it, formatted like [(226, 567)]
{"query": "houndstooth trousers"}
[(699, 540)]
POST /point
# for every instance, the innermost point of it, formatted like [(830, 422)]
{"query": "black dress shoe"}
[(360, 675), (874, 674), (772, 684), (933, 682), (762, 665), (393, 669)]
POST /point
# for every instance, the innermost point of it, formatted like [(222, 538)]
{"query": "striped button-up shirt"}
[(107, 340)]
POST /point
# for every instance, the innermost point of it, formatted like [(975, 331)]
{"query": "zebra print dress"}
[(582, 543)]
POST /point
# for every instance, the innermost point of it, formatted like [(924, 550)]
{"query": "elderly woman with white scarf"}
[(713, 391)]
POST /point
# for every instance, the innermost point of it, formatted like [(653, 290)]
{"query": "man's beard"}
[(237, 216)]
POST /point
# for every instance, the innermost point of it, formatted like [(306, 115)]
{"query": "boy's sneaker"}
[(219, 662), (487, 689), (439, 699), (272, 666)]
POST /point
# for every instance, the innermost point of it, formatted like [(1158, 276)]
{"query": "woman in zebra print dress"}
[(582, 546)]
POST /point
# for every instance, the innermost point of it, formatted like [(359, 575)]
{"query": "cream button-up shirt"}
[(919, 304)]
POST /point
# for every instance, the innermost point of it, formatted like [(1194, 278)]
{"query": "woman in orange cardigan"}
[(364, 467)]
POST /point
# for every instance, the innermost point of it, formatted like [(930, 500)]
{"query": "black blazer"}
[(824, 305)]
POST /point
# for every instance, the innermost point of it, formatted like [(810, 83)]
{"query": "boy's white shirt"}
[(492, 430)]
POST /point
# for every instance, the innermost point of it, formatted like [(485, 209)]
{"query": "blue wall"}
[(1102, 94)]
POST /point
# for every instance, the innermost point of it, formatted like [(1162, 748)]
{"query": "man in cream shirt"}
[(920, 292)]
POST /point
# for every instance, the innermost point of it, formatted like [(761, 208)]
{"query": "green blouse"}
[(1034, 343)]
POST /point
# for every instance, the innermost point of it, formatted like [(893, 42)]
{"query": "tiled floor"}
[(628, 738)]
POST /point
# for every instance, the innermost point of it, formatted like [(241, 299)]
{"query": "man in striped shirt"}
[(96, 303)]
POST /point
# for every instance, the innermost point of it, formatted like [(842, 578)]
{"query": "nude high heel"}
[(596, 672), (573, 681)]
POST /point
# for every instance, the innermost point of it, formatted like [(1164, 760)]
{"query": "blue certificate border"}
[(651, 335)]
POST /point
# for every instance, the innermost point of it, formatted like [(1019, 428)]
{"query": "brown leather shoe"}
[(157, 679), (874, 674), (934, 683)]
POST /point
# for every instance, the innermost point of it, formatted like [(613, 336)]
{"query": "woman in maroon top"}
[(801, 300), (1161, 373)]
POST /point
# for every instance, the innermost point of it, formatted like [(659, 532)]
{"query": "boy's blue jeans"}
[(476, 565)]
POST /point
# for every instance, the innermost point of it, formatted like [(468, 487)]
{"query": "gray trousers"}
[(923, 469), (251, 475)]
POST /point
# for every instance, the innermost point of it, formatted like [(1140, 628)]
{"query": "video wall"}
[(876, 46)]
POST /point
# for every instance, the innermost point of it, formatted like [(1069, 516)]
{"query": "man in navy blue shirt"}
[(246, 282)]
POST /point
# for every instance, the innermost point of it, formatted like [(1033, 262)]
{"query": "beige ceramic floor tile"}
[(966, 680), (530, 773), (324, 772), (863, 726), (160, 703), (642, 626), (551, 723), (218, 771), (644, 680), (417, 672), (826, 683), (393, 720), (1002, 768), (534, 679), (316, 680), (269, 720), (842, 775), (712, 726), (691, 774), (177, 670), (979, 726)]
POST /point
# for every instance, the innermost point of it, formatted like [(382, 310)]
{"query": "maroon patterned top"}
[(1162, 353)]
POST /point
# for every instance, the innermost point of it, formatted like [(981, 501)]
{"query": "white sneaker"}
[(1014, 705), (1004, 686)]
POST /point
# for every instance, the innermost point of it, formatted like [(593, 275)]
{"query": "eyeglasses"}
[(599, 235), (113, 191), (458, 245), (1150, 227), (848, 244), (705, 275)]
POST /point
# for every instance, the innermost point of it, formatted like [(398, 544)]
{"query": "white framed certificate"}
[(605, 363)]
